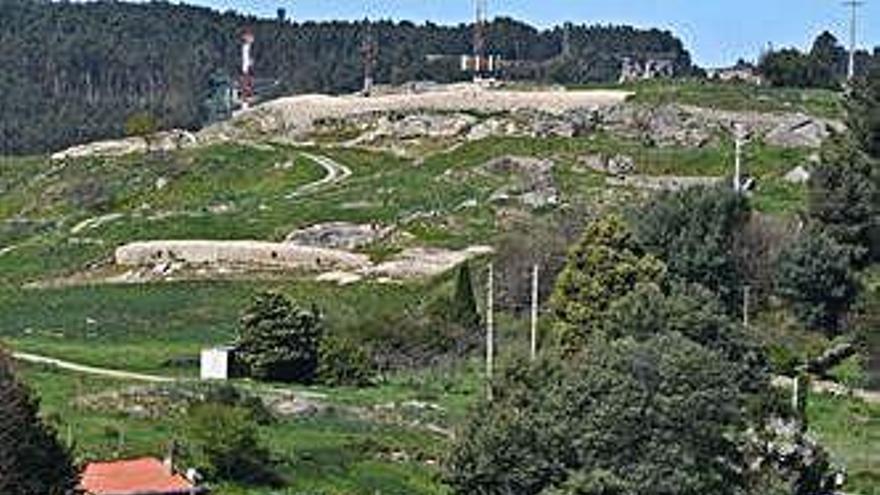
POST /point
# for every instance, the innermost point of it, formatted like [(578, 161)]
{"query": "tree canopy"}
[(659, 416), (825, 65), (694, 232), (32, 460)]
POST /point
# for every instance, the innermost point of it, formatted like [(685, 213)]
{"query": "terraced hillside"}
[(408, 194)]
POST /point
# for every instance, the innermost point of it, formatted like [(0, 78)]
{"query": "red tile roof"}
[(146, 476)]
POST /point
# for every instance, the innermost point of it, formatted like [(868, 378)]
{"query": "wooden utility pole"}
[(490, 330), (746, 294), (534, 346)]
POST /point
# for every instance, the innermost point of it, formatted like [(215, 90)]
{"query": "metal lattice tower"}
[(854, 6)]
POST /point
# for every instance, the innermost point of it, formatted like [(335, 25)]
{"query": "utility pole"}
[(534, 347), (854, 6), (479, 47), (746, 294), (246, 93), (490, 330), (739, 138), (370, 52)]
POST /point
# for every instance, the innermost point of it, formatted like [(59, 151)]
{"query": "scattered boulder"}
[(423, 125), (425, 262), (538, 188), (615, 165), (798, 175), (799, 132), (666, 125), (662, 182), (339, 235)]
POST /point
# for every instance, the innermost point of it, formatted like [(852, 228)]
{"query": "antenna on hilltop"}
[(480, 9), (854, 6)]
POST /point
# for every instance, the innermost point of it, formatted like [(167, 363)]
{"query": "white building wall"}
[(214, 364)]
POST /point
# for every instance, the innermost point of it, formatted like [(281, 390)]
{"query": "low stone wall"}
[(239, 253)]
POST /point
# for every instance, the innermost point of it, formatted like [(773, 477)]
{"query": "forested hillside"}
[(74, 72)]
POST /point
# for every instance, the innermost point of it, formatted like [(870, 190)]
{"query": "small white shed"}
[(216, 363)]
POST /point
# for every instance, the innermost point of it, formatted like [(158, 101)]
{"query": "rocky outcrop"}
[(339, 235), (803, 132), (161, 141), (537, 188)]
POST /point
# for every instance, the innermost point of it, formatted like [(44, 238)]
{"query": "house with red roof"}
[(143, 476)]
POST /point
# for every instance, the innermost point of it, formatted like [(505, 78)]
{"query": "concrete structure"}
[(639, 69), (251, 254), (746, 73), (216, 363)]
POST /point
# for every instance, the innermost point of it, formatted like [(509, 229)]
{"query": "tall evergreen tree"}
[(606, 265), (32, 461), (844, 198), (464, 305), (278, 340), (694, 232)]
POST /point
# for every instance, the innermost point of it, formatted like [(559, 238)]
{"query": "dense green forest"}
[(825, 65), (75, 72)]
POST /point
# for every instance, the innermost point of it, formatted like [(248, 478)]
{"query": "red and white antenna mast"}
[(247, 68)]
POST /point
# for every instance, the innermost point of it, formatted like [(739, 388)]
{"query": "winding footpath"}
[(90, 370), (336, 172)]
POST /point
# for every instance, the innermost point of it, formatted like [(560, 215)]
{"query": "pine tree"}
[(32, 461), (464, 304), (279, 340), (606, 265), (844, 198)]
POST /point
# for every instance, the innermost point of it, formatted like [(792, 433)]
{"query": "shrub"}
[(344, 363), (223, 442)]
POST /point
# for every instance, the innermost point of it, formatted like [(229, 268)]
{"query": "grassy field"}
[(333, 452), (850, 429), (741, 97)]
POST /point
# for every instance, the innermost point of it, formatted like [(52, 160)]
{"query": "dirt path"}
[(90, 370), (336, 172), (831, 388)]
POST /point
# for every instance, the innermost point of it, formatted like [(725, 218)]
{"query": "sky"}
[(717, 32)]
